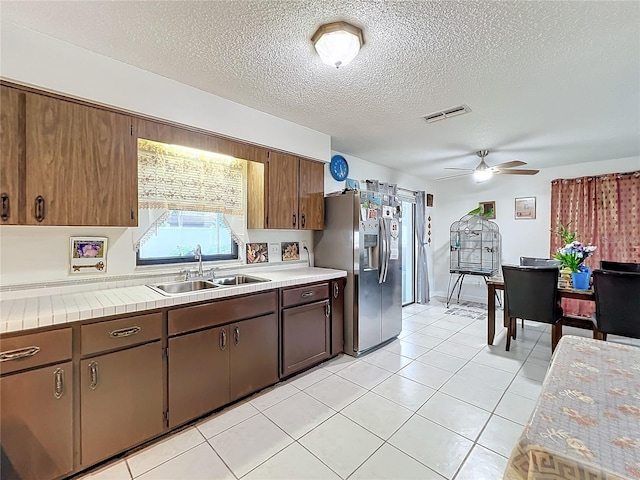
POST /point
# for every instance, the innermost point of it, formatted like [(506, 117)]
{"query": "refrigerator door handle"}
[(382, 241), (388, 252), (383, 250)]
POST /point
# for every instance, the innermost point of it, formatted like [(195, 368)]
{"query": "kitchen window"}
[(188, 197), (177, 237)]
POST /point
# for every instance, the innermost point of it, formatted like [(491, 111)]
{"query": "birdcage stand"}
[(458, 283)]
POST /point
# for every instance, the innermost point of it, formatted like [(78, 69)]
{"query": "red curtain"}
[(604, 210)]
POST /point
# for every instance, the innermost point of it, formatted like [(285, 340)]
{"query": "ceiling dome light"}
[(337, 43)]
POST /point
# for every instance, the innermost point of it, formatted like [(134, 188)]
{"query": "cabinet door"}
[(11, 152), (81, 165), (36, 424), (198, 374), (254, 355), (337, 315), (283, 191), (120, 400), (305, 336), (311, 195)]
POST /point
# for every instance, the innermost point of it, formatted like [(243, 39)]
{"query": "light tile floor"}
[(435, 403)]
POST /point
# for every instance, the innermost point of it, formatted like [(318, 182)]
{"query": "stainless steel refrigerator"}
[(362, 235)]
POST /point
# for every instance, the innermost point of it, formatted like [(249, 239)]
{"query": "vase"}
[(580, 280), (565, 278)]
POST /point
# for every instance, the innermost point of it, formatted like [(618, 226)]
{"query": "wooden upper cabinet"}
[(295, 193), (311, 195), (162, 132), (11, 152), (81, 165), (283, 191)]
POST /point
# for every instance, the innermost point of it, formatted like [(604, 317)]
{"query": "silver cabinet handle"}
[(336, 290), (18, 353), (236, 335), (327, 310), (93, 375), (125, 332), (223, 339), (306, 294), (58, 383)]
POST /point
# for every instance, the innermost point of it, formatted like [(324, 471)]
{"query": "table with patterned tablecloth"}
[(586, 424)]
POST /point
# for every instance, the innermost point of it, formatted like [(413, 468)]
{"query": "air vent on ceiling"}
[(449, 112)]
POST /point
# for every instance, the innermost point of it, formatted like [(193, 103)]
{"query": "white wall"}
[(361, 170), (454, 198), (38, 254)]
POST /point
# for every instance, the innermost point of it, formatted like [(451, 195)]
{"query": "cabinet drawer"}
[(305, 294), (224, 311), (28, 351), (99, 337)]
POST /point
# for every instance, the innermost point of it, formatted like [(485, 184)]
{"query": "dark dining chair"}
[(539, 262), (620, 266), (531, 293), (617, 297)]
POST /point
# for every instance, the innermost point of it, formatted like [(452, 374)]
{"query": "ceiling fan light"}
[(337, 43), (480, 176)]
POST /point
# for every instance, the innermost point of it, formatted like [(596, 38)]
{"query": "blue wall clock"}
[(339, 167)]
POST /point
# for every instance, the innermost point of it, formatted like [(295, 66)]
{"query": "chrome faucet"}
[(198, 257)]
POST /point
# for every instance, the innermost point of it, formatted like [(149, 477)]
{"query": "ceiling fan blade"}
[(516, 172), (513, 163), (465, 169), (453, 176)]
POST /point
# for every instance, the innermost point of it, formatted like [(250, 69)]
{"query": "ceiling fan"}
[(484, 172)]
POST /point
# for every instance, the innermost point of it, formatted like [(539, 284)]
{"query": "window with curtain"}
[(604, 210), (188, 197)]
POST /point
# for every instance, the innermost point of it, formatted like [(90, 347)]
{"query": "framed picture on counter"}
[(88, 255), (290, 251), (257, 253), (525, 208)]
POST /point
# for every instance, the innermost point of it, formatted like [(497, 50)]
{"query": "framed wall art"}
[(525, 208), (488, 209), (88, 255)]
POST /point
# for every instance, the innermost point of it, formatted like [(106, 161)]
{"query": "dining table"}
[(586, 422), (497, 283)]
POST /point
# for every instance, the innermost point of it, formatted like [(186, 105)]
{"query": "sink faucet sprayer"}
[(198, 257)]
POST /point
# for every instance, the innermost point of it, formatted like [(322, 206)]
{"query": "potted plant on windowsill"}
[(572, 256)]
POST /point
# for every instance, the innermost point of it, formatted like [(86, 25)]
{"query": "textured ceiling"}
[(550, 83)]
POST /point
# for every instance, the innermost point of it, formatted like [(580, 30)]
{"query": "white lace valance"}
[(179, 178)]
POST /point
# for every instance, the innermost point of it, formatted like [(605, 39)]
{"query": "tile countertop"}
[(21, 314)]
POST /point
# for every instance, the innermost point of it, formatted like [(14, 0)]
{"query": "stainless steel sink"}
[(237, 280), (177, 288)]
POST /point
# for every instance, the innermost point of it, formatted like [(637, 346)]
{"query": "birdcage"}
[(474, 244)]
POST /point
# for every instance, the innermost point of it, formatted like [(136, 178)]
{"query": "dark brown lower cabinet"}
[(306, 336), (120, 400), (337, 315), (198, 374), (253, 355), (36, 423)]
